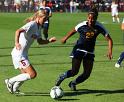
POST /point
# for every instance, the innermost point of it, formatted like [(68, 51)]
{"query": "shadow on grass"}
[(9, 55), (44, 63), (61, 45), (73, 93), (57, 63), (43, 94), (97, 92)]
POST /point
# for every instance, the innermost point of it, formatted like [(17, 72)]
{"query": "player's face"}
[(42, 20), (91, 20)]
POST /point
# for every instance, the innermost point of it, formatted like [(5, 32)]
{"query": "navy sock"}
[(121, 58)]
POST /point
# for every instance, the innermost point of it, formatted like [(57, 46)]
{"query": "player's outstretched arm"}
[(41, 41), (110, 46), (69, 34)]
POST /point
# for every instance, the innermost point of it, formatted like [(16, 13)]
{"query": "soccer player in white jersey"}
[(24, 37), (43, 5), (114, 12)]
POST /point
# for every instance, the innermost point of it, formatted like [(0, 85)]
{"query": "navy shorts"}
[(82, 55), (46, 25)]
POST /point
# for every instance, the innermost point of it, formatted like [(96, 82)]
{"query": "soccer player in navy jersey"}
[(43, 5), (121, 57), (119, 61), (83, 50)]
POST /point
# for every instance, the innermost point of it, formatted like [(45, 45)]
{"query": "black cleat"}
[(59, 80), (72, 86)]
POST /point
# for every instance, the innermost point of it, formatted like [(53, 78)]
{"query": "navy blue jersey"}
[(87, 37)]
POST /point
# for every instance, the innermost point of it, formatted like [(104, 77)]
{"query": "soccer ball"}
[(56, 92)]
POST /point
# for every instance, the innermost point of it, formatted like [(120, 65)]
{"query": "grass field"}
[(106, 83)]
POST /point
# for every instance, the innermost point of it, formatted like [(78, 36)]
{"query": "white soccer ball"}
[(56, 92)]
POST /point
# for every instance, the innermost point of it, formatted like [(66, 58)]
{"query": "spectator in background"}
[(114, 12), (17, 4), (6, 5), (43, 5), (87, 5), (71, 6)]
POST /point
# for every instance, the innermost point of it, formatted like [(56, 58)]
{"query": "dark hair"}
[(94, 11)]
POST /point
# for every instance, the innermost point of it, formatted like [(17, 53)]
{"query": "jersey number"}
[(89, 34), (23, 62)]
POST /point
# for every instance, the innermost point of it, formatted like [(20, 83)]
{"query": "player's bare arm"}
[(41, 41), (17, 34), (110, 46), (69, 34)]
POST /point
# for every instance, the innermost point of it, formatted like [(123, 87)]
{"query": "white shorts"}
[(114, 13), (19, 61)]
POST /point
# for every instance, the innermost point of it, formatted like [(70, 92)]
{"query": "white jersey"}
[(25, 39), (114, 9)]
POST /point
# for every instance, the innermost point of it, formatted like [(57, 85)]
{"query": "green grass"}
[(106, 83)]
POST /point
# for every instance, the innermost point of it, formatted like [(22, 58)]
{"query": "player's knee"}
[(33, 75), (87, 76), (73, 73)]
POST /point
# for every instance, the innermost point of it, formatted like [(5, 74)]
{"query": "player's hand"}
[(53, 39), (34, 36), (18, 46), (109, 55), (63, 40)]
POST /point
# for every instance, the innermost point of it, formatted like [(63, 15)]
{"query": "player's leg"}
[(31, 71), (70, 73), (113, 18), (16, 81), (119, 61), (87, 65), (118, 19), (18, 84), (19, 78), (45, 30)]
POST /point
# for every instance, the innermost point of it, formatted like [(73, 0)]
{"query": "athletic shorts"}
[(114, 13), (46, 25), (19, 61), (82, 54)]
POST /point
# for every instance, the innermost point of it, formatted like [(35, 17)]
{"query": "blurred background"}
[(58, 5)]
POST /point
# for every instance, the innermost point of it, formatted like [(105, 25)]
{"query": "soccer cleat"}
[(72, 86), (9, 86), (18, 92), (59, 80), (117, 65)]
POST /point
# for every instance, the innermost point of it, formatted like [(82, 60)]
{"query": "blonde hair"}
[(40, 13)]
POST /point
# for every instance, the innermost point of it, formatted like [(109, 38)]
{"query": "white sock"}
[(113, 19), (118, 20), (20, 77), (17, 85)]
